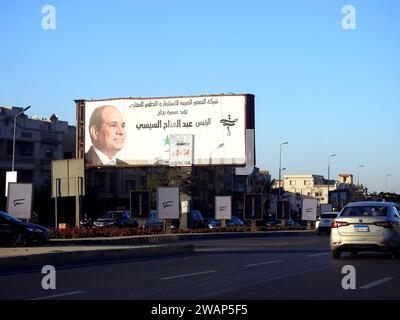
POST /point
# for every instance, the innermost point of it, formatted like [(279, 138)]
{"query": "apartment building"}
[(309, 185), (37, 142)]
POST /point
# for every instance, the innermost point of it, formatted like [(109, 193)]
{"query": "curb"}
[(168, 238), (84, 256)]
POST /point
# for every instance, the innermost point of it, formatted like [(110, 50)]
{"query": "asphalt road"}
[(234, 269)]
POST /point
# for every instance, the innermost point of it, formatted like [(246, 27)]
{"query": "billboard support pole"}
[(77, 208), (55, 202), (168, 226), (77, 201), (253, 227)]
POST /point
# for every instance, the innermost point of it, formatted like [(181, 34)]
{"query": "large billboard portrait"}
[(141, 131)]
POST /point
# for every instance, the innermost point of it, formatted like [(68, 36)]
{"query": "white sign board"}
[(168, 202), (223, 207), (11, 176), (19, 201), (309, 210), (181, 150), (145, 126)]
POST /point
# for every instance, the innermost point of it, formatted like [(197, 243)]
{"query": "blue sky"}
[(323, 89)]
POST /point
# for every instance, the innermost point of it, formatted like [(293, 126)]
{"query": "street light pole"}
[(358, 174), (387, 175), (280, 167), (329, 168), (15, 121)]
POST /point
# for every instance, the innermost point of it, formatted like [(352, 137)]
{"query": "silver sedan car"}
[(366, 226)]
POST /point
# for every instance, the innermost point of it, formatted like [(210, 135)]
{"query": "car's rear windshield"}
[(365, 211), (328, 215)]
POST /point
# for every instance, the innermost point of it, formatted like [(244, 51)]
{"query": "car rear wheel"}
[(336, 254)]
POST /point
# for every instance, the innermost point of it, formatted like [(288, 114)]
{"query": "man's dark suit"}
[(91, 158)]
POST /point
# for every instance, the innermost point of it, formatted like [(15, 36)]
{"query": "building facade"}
[(38, 141), (311, 185)]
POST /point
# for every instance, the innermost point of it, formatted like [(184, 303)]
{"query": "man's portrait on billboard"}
[(107, 134)]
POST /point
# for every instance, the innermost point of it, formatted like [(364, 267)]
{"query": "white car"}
[(367, 226), (324, 222)]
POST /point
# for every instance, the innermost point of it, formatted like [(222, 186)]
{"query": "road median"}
[(176, 237)]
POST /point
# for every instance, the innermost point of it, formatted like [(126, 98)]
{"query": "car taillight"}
[(385, 224), (337, 224)]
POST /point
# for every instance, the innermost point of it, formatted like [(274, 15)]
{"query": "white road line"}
[(318, 254), (294, 274), (188, 275), (376, 283), (59, 295), (262, 263)]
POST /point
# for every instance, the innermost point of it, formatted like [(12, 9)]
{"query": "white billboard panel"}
[(138, 131), (11, 176), (168, 202), (181, 150), (19, 201), (223, 207), (309, 210)]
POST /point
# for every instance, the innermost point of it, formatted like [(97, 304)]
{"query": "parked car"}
[(116, 219), (366, 226), (291, 223), (212, 223), (154, 221), (196, 219), (234, 221), (86, 222), (324, 222), (272, 222), (18, 233)]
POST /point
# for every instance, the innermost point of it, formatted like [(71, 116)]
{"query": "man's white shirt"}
[(104, 159)]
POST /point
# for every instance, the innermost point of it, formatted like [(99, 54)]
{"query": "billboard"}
[(253, 206), (19, 201), (223, 207), (67, 178), (140, 204), (138, 131), (309, 210), (168, 202), (282, 209)]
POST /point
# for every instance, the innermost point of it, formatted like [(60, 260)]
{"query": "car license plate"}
[(361, 228)]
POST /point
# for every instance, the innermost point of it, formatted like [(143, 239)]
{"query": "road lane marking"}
[(59, 295), (294, 274), (318, 254), (262, 263), (376, 283), (188, 275)]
